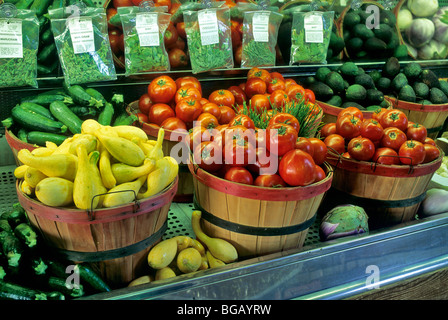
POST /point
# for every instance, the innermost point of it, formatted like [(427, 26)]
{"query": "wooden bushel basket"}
[(257, 220), (432, 116), (16, 144), (185, 188), (331, 112), (390, 194), (115, 240)]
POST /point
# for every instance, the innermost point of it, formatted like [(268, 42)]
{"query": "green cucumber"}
[(60, 285), (43, 69), (12, 291), (105, 117), (84, 112), (81, 97), (40, 138), (45, 99), (62, 112), (96, 94), (26, 234), (35, 122), (37, 108), (11, 247), (92, 278)]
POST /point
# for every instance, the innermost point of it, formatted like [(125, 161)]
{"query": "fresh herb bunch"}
[(19, 71), (257, 54)]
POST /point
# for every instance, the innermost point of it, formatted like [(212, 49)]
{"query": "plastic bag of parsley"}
[(82, 40), (260, 31), (208, 37), (310, 36), (19, 43), (143, 30)]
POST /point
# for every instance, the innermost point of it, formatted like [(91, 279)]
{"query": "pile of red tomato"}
[(387, 138), (207, 119)]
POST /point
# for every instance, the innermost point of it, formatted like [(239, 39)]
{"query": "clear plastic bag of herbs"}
[(143, 33), (260, 31), (209, 39), (19, 43), (310, 36), (82, 41)]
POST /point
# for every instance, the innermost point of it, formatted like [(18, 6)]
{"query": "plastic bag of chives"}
[(82, 40), (19, 42)]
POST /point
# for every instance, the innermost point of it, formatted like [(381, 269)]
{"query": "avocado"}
[(436, 96), (364, 15), (391, 68), (375, 75), (388, 17), (335, 81), (335, 101), (355, 93), (401, 52), (424, 102), (421, 90), (429, 78), (407, 94), (373, 108), (412, 70), (375, 46), (399, 82), (351, 19), (365, 80), (444, 86), (349, 69), (321, 73), (309, 80), (374, 96), (354, 44), (337, 44), (361, 31), (385, 104), (352, 104), (383, 84), (393, 43), (384, 32), (321, 91)]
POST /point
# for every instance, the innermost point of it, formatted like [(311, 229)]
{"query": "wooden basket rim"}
[(17, 144), (334, 111), (396, 103)]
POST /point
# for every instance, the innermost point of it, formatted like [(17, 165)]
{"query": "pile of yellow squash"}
[(102, 167)]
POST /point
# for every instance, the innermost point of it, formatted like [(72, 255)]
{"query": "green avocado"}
[(335, 81), (356, 93), (412, 70), (421, 90), (407, 94), (365, 80), (361, 31), (349, 69), (399, 82), (436, 96), (391, 68)]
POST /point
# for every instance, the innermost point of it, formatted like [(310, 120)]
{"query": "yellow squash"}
[(130, 132), (64, 147), (55, 192), (33, 176), (165, 273), (124, 173), (189, 260), (162, 254), (107, 176), (214, 262), (90, 126), (156, 152), (165, 172), (19, 172), (26, 188), (140, 280), (89, 140), (123, 193)]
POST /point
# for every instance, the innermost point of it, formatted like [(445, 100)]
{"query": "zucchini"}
[(45, 99), (84, 112), (11, 247), (12, 291), (4, 225), (43, 69), (60, 285), (22, 135), (81, 97), (24, 4), (38, 266), (96, 94), (125, 120), (26, 233), (105, 117), (47, 37), (62, 112), (40, 138), (37, 108), (8, 122), (40, 6), (92, 278), (47, 54), (2, 273), (16, 215), (35, 122)]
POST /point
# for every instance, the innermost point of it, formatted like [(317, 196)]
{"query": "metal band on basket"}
[(251, 230)]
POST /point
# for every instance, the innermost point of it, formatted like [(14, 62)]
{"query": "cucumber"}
[(92, 278), (26, 234), (40, 138), (35, 122), (37, 108), (62, 112), (59, 284), (47, 54), (84, 112), (43, 69), (12, 291), (125, 120), (96, 94), (105, 117), (47, 37), (11, 247), (22, 135), (58, 4), (45, 99), (81, 97)]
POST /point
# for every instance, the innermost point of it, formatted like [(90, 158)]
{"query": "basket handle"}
[(91, 213)]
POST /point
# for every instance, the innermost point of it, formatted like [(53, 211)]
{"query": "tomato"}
[(174, 7), (208, 156), (277, 75), (255, 86), (289, 81), (122, 3), (239, 132), (188, 81), (285, 118), (144, 103), (239, 175), (244, 120), (412, 152), (297, 168), (279, 99), (142, 117), (335, 142), (207, 120), (235, 37), (159, 112), (212, 108), (320, 173), (280, 138), (295, 92), (173, 123), (227, 115), (320, 150), (262, 74), (310, 96), (378, 113), (394, 118), (188, 110), (386, 156), (116, 41), (416, 132), (361, 148), (110, 12), (238, 152), (162, 89), (351, 111), (163, 3), (170, 36), (275, 84), (393, 138), (178, 58), (263, 164), (187, 92), (348, 126), (304, 144), (197, 135), (428, 140), (270, 181), (259, 102), (327, 129), (431, 152), (180, 27), (238, 93), (222, 97), (371, 129)]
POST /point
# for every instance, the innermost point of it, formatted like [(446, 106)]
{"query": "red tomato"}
[(386, 156), (285, 118), (142, 117), (170, 36), (238, 93), (227, 115), (144, 103), (276, 84), (197, 135), (238, 55), (378, 113), (361, 148), (270, 181), (244, 120), (352, 111), (280, 138), (393, 138), (163, 3), (336, 142), (327, 129), (173, 123), (297, 168), (259, 102), (110, 12), (320, 173), (188, 110), (239, 175), (187, 92), (394, 118), (416, 132), (431, 152), (263, 74), (295, 92), (279, 99), (116, 41), (208, 156), (428, 140), (159, 112), (212, 108), (348, 126), (238, 152), (289, 81), (277, 75), (255, 86), (188, 81), (162, 89), (371, 129), (412, 152), (122, 3), (180, 27), (263, 164), (207, 120), (304, 144), (222, 97), (178, 58), (320, 150), (310, 96)]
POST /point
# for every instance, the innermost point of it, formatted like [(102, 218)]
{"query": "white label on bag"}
[(208, 27), (147, 29), (11, 38), (260, 26), (314, 29), (81, 32)]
